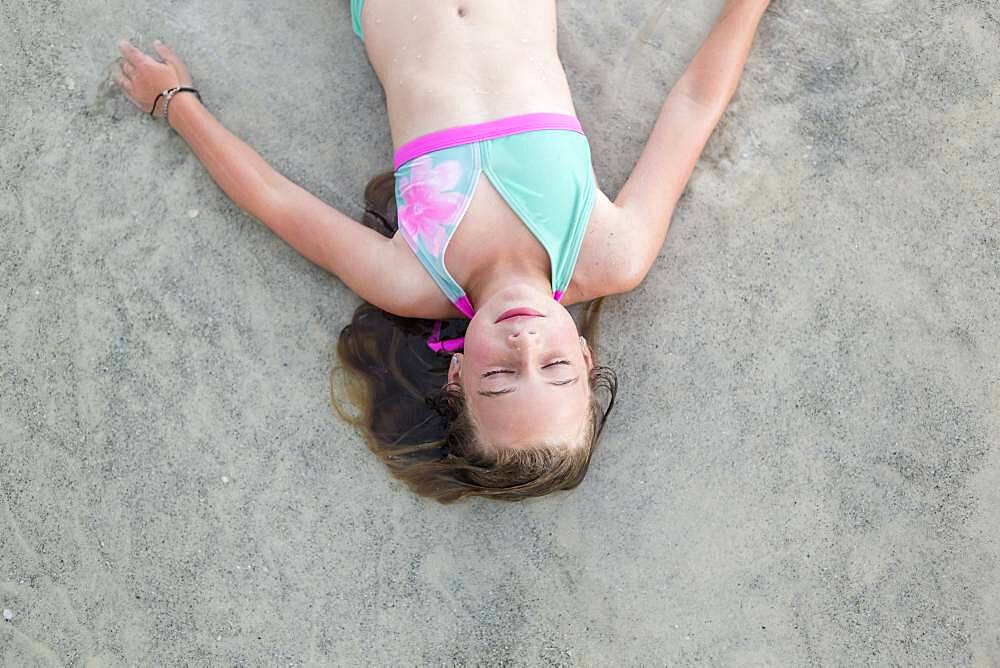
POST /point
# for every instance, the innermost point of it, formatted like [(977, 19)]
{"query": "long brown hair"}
[(394, 390)]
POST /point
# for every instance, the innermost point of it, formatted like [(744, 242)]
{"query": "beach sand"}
[(803, 466)]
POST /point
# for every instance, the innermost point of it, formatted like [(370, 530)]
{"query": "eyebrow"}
[(496, 393)]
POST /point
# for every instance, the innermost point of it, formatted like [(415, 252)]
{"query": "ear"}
[(588, 357), (455, 369)]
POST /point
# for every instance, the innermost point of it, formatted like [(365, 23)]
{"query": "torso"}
[(456, 62)]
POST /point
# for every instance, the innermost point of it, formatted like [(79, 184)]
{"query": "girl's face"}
[(525, 370)]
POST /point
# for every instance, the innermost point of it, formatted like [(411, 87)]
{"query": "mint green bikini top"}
[(539, 163)]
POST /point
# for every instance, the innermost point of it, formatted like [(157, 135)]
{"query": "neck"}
[(496, 277)]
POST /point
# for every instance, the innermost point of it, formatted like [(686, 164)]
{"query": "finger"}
[(128, 69), (126, 86), (120, 77), (166, 53), (172, 59), (132, 54)]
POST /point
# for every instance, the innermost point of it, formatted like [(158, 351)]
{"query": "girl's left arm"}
[(643, 208)]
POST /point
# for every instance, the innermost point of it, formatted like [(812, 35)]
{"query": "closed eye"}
[(496, 371), (495, 393)]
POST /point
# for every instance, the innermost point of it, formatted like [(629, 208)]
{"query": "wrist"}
[(181, 105)]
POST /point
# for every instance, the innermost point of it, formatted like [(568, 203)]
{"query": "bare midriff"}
[(448, 63)]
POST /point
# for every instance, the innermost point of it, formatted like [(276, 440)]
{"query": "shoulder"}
[(410, 291), (606, 264)]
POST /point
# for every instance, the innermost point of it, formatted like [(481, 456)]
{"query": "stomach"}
[(445, 63)]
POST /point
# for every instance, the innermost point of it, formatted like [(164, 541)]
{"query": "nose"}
[(523, 337)]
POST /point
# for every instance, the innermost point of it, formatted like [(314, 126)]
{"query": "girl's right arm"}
[(379, 270)]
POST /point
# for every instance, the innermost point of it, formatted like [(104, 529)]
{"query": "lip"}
[(519, 311)]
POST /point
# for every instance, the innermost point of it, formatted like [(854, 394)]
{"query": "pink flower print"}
[(444, 176), (427, 209)]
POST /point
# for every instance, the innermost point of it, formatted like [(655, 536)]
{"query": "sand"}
[(803, 467)]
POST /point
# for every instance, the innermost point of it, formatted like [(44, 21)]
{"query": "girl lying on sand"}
[(474, 87)]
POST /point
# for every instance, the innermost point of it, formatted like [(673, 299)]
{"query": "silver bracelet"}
[(170, 92)]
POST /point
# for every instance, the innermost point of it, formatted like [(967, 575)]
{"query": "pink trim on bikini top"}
[(466, 134)]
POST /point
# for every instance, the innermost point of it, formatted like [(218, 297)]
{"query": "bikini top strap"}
[(435, 343)]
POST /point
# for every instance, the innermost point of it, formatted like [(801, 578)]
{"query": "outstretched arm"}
[(378, 270), (645, 204), (359, 256)]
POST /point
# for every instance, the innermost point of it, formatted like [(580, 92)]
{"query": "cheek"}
[(482, 352), (567, 336), (479, 344)]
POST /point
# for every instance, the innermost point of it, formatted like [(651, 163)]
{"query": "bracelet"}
[(169, 93), (151, 111)]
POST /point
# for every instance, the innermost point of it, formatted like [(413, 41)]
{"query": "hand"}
[(143, 77)]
